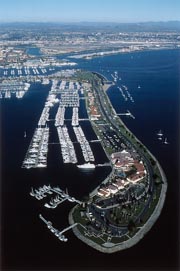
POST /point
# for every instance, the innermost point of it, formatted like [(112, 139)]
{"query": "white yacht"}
[(86, 166), (160, 133)]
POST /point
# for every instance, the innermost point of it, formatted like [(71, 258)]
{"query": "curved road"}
[(108, 115)]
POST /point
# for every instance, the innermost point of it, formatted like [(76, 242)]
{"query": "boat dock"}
[(108, 164), (69, 228), (60, 197), (36, 155), (66, 94), (10, 87), (57, 233), (128, 113), (85, 146)]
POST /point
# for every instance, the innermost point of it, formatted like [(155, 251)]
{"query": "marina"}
[(9, 88), (67, 147), (75, 117), (60, 195), (85, 146), (57, 233), (59, 179), (66, 94), (36, 155), (31, 68), (44, 116), (59, 119)]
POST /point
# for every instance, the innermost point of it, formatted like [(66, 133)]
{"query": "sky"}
[(89, 10)]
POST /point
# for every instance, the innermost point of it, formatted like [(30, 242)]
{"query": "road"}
[(107, 114)]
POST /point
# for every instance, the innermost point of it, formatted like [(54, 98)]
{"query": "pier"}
[(128, 113), (85, 146), (67, 197), (57, 233), (108, 164), (84, 119), (36, 156), (69, 228), (95, 141), (42, 192)]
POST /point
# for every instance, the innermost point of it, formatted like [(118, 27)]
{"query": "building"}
[(103, 192)]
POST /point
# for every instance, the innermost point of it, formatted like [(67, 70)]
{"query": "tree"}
[(153, 162), (86, 198), (155, 176), (131, 225)]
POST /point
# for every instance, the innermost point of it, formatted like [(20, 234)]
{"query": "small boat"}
[(160, 133), (25, 134), (32, 192), (47, 205), (165, 141)]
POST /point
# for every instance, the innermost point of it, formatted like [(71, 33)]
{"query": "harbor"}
[(54, 214), (58, 196), (85, 146), (36, 155), (57, 233), (67, 95), (8, 88)]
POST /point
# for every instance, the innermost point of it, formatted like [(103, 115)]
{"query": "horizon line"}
[(103, 22)]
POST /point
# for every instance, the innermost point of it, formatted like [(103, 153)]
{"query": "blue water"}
[(34, 51), (26, 243)]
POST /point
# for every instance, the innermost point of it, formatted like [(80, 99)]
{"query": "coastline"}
[(140, 234), (111, 247)]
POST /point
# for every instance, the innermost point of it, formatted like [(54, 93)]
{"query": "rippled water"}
[(26, 243)]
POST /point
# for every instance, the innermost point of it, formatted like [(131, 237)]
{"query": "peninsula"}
[(123, 208)]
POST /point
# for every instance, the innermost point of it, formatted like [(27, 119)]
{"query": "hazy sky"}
[(89, 10)]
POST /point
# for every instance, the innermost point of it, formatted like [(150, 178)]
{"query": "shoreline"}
[(140, 234), (111, 247), (137, 237)]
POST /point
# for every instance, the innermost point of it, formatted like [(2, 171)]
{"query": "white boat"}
[(86, 166), (160, 133), (47, 205), (41, 165), (32, 192), (165, 141), (71, 199)]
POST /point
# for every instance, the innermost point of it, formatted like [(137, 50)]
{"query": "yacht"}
[(86, 166), (160, 133)]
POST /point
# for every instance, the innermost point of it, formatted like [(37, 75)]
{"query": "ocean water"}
[(25, 241)]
